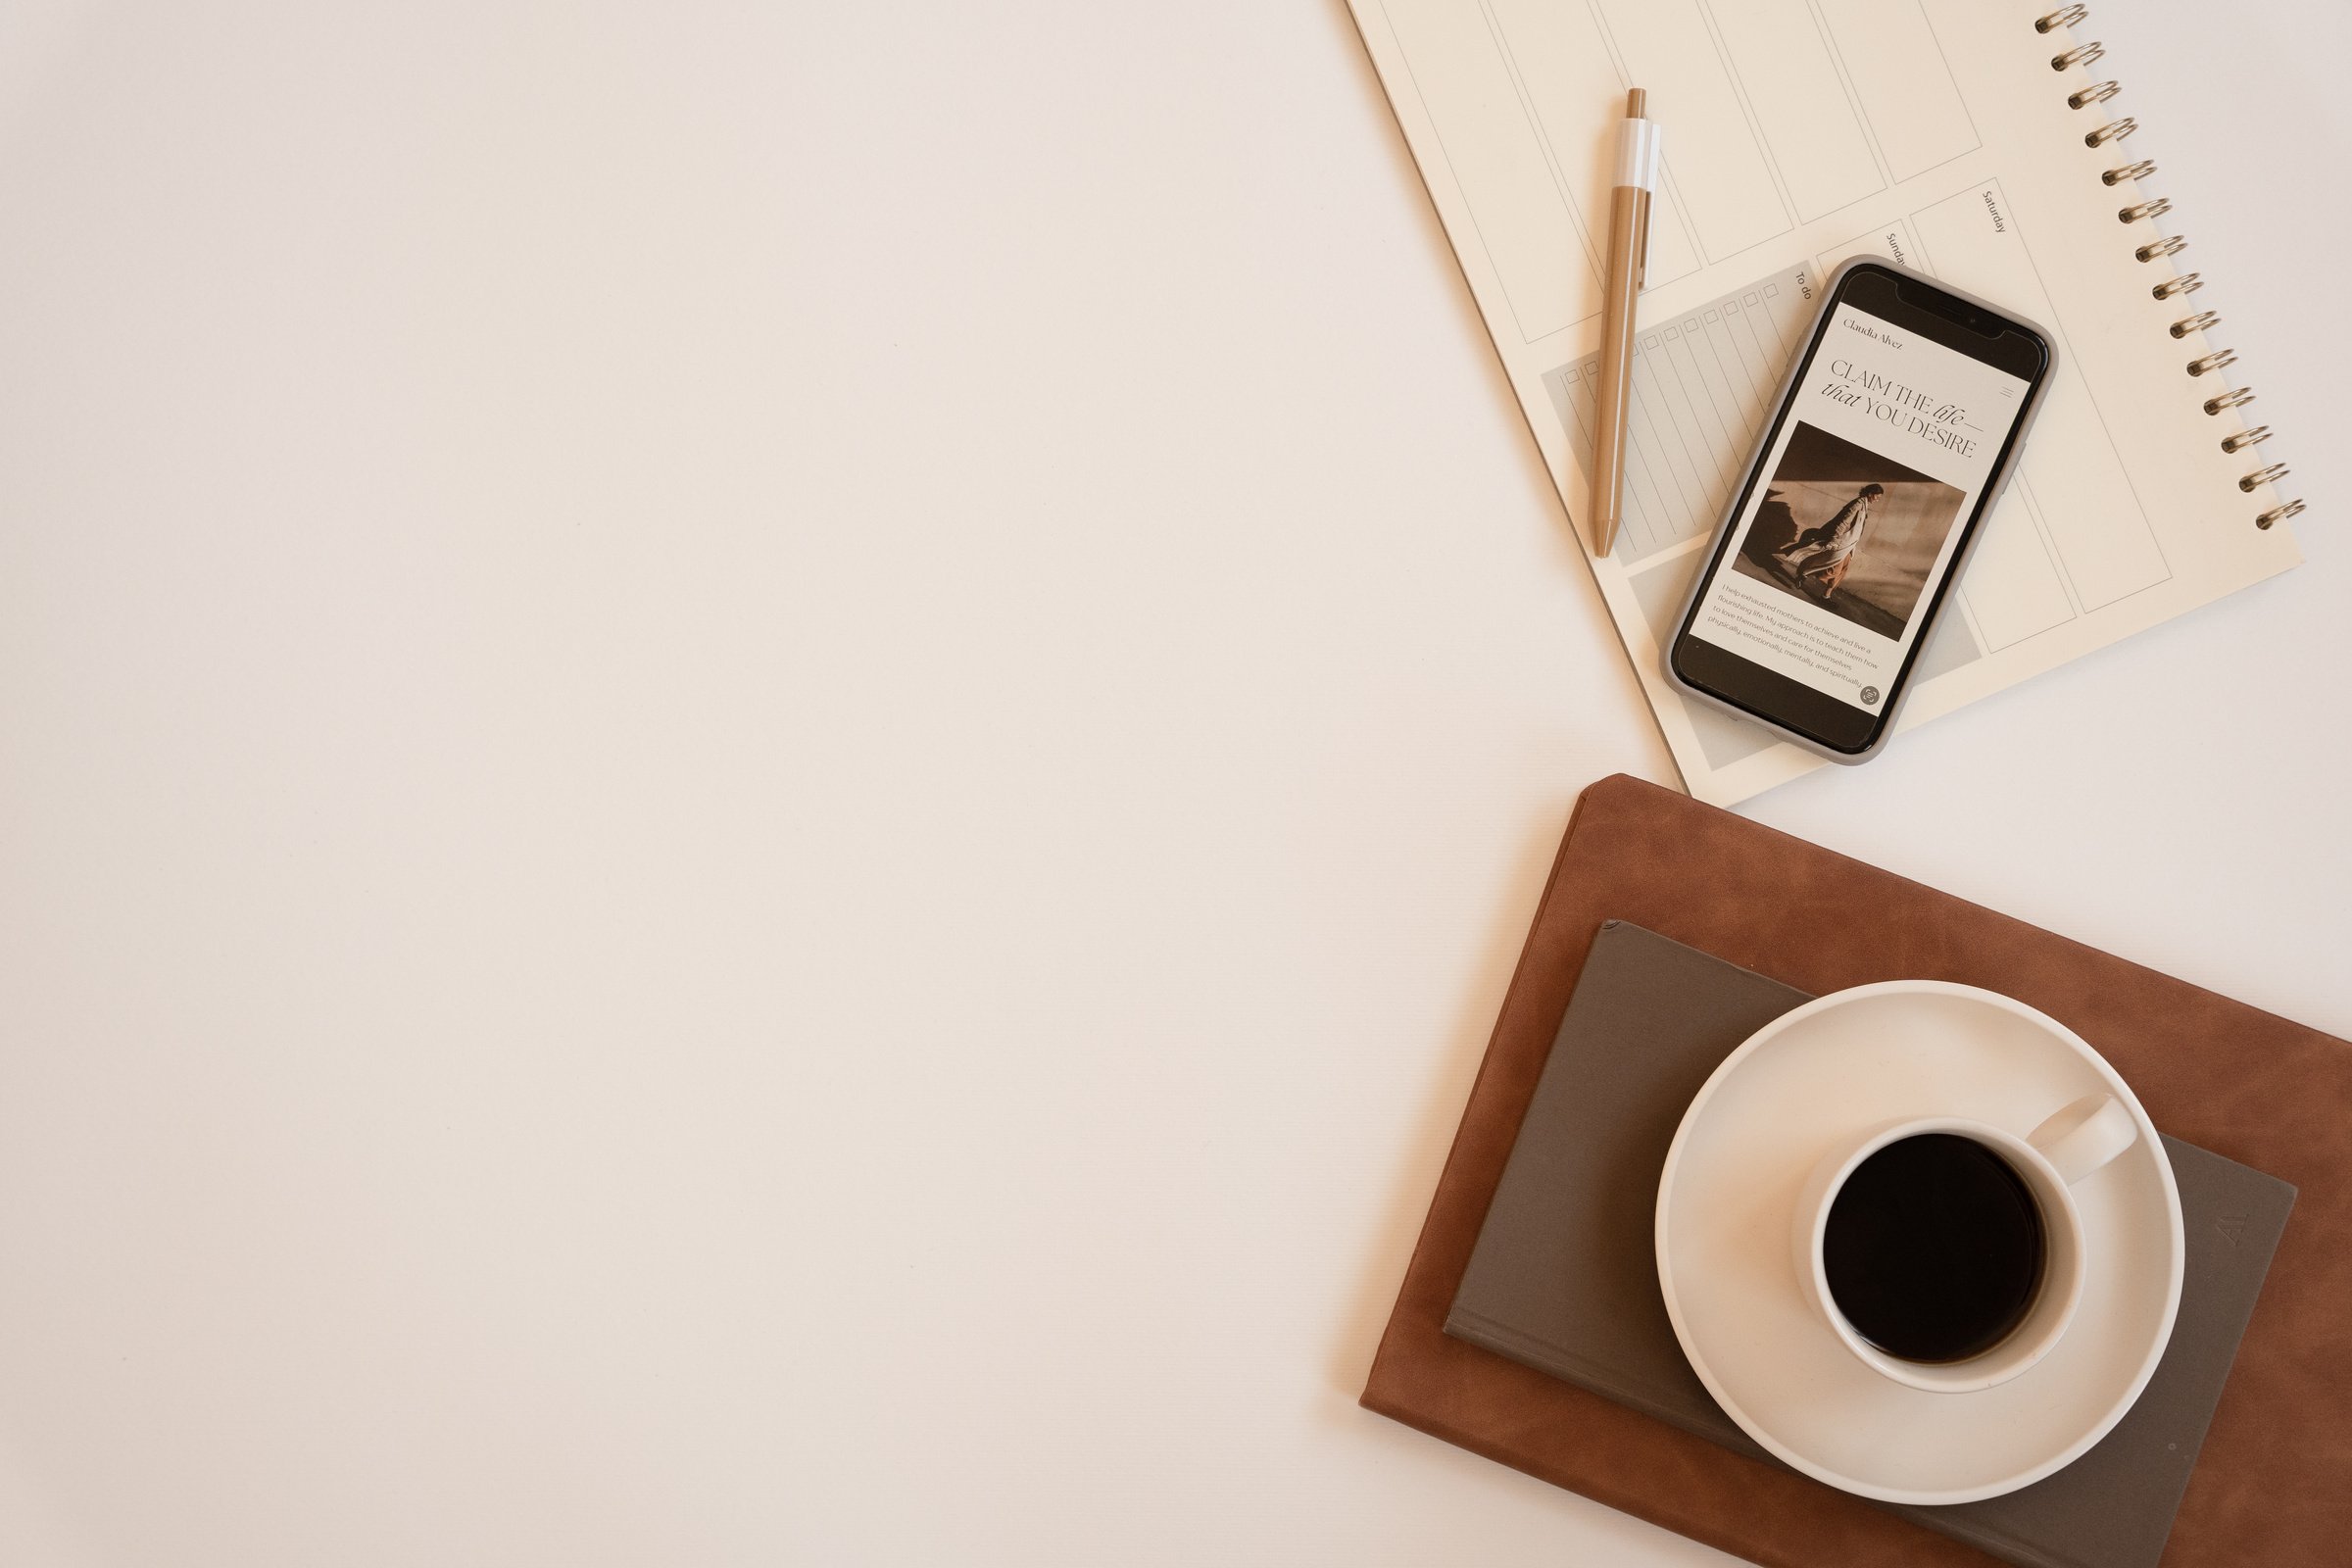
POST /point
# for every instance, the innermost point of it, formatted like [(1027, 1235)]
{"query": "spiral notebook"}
[(1976, 140)]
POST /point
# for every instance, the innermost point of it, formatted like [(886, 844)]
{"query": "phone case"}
[(1996, 485)]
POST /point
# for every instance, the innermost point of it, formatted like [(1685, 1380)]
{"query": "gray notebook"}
[(1564, 1280)]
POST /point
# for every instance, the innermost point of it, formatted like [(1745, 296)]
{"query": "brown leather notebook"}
[(2249, 1086)]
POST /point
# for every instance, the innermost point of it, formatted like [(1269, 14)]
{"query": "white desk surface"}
[(765, 778)]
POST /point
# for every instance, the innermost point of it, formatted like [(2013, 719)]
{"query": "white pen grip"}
[(1638, 154)]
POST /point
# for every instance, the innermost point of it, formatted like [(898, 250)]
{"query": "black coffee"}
[(1934, 1249)]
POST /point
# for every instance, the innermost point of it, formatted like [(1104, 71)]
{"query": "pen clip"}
[(1644, 209)]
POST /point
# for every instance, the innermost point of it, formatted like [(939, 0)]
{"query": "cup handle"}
[(2083, 1136)]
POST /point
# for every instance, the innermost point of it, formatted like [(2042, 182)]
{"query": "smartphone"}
[(1887, 446)]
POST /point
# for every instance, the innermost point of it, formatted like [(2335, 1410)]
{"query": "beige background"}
[(766, 771)]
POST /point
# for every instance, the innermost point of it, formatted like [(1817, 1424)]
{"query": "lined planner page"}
[(1799, 133), (1702, 385)]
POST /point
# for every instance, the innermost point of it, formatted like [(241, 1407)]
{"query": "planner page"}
[(1937, 133)]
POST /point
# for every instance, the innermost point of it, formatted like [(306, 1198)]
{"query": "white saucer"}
[(1824, 1073)]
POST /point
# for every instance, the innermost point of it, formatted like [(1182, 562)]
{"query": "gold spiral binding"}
[(2181, 284)]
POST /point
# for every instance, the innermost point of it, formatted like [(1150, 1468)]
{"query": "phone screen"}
[(1837, 555)]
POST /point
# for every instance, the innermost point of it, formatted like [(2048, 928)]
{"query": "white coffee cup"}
[(2074, 1141)]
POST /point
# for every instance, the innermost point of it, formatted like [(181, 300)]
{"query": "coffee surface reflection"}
[(1934, 1249)]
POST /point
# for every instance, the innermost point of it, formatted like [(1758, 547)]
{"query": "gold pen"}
[(1629, 252)]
